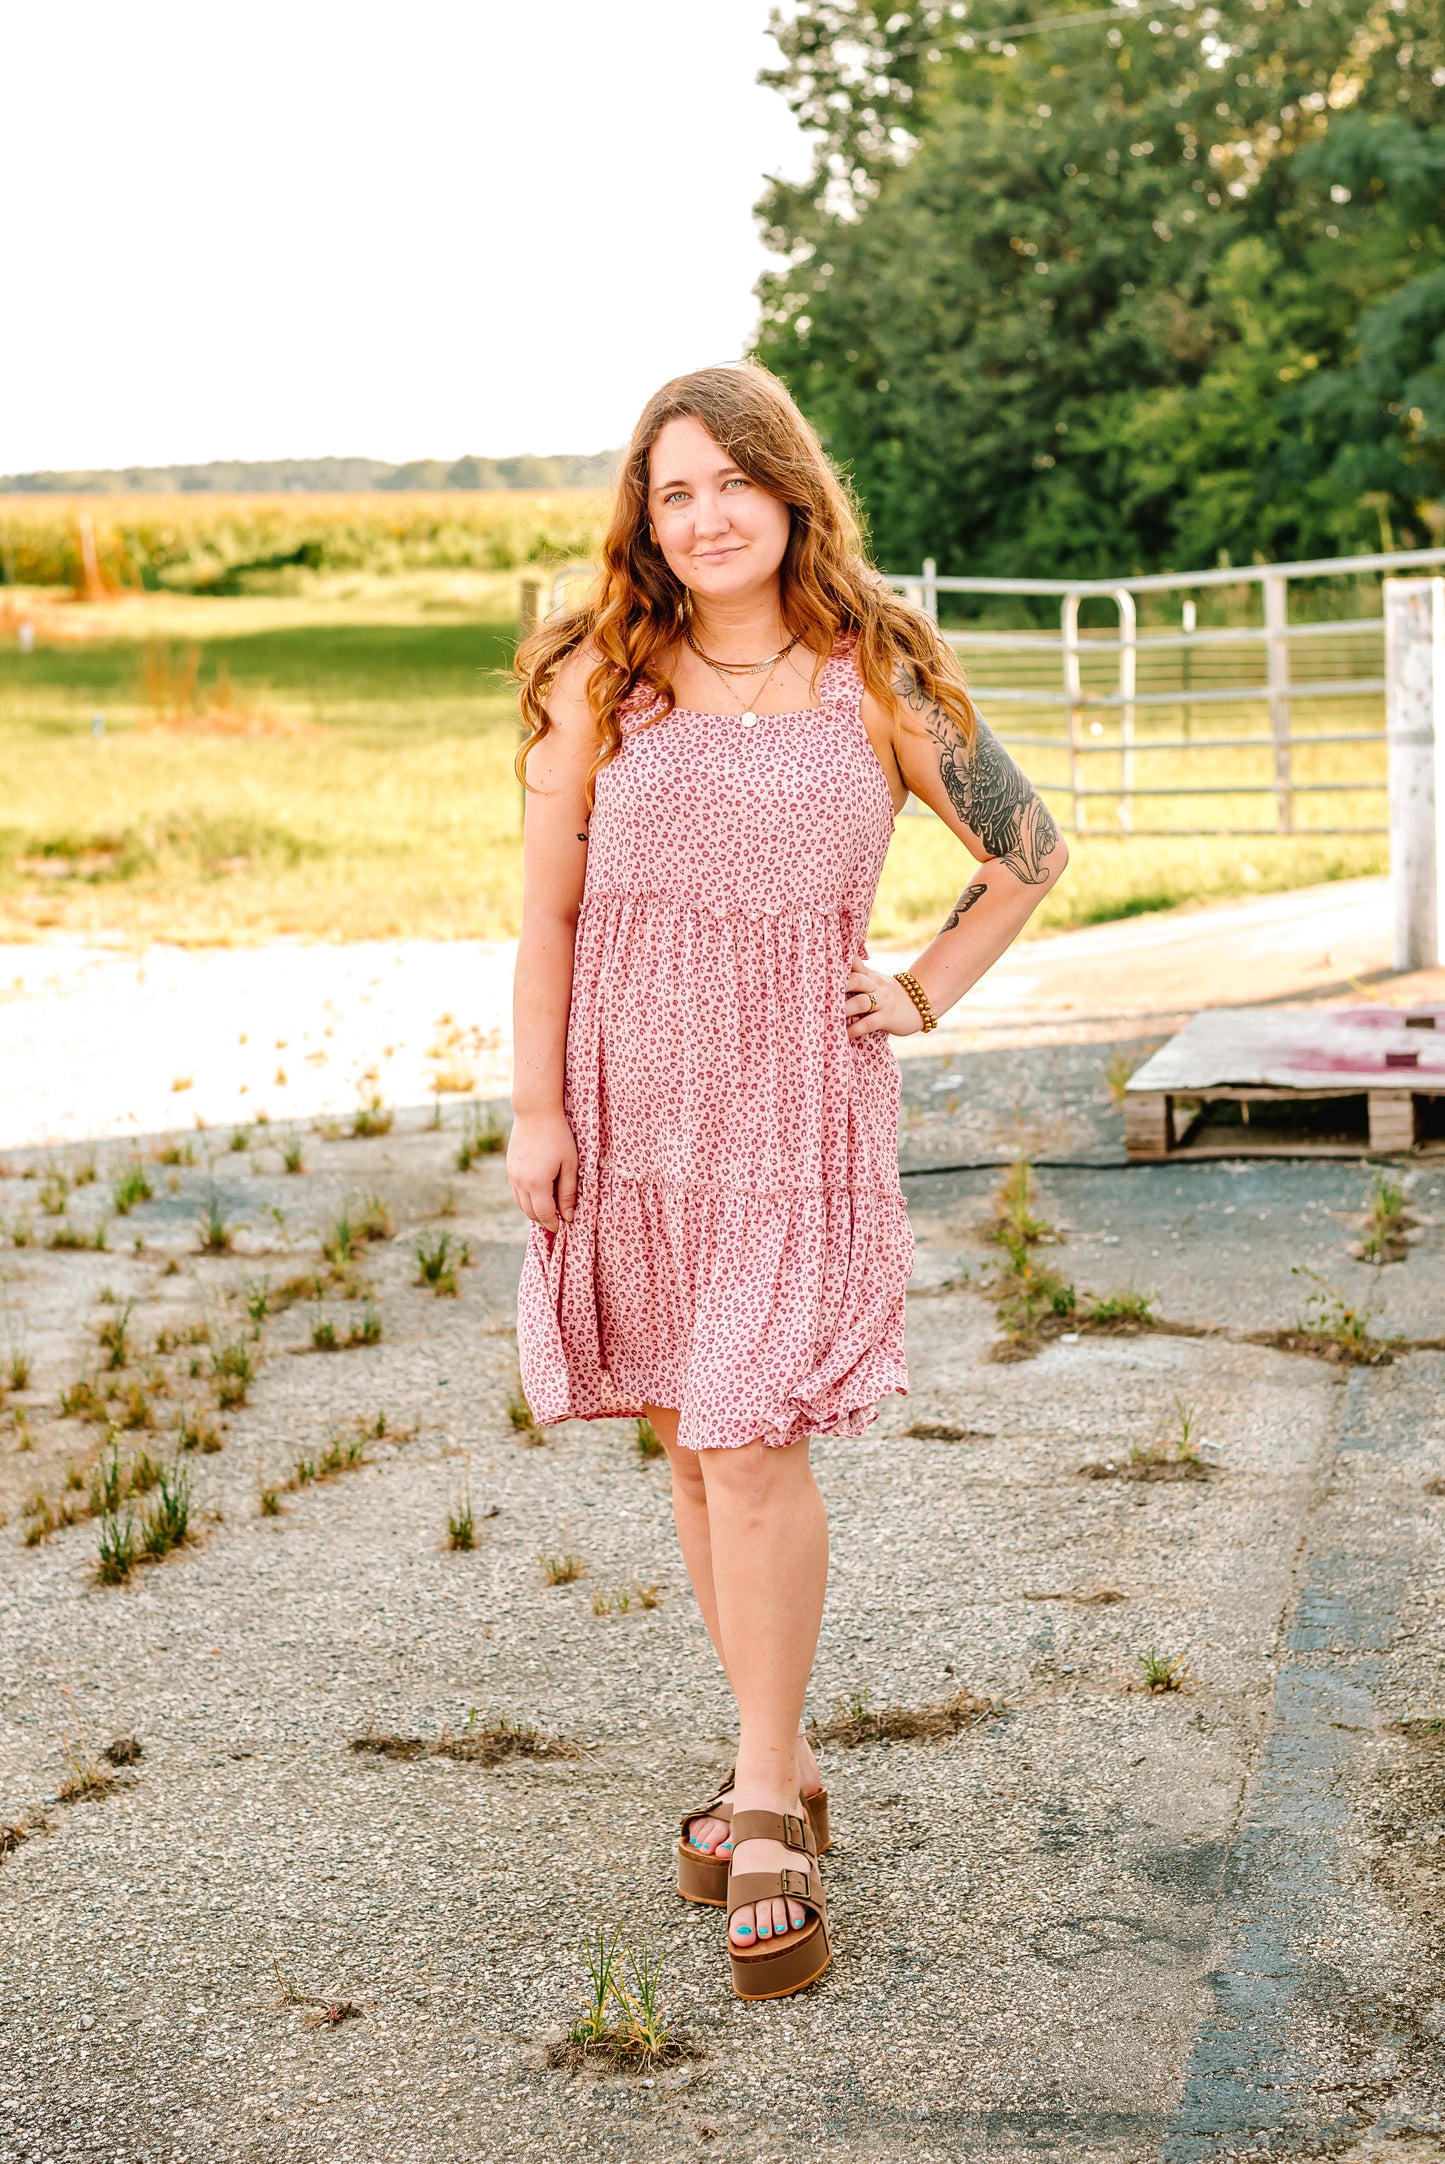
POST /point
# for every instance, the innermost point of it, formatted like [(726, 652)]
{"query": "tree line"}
[(1154, 287)]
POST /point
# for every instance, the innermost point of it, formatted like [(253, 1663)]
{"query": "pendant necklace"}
[(720, 669)]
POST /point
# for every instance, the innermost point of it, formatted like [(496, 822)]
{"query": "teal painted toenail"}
[(765, 1931), (745, 1931)]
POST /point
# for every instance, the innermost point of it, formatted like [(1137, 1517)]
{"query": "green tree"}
[(1131, 291)]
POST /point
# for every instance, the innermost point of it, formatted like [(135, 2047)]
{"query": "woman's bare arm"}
[(541, 1155), (998, 815)]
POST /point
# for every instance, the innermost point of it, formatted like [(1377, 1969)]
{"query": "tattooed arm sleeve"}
[(988, 793)]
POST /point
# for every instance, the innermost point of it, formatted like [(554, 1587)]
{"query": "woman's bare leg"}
[(694, 1537), (769, 1548)]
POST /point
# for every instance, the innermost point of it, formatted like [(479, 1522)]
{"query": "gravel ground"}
[(1098, 1924)]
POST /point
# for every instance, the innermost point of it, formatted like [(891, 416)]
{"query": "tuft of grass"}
[(270, 1500), (564, 1569), (70, 1239), (1016, 1223), (858, 1721), (461, 1519), (114, 1336), (218, 1233), (1386, 1221), (233, 1370), (143, 1473), (647, 1441), (108, 1484), (84, 1778), (523, 1420), (1118, 1067), (621, 2022), (116, 1548), (292, 1155), (483, 1135), (165, 1524), (256, 1292), (196, 1430), (54, 1193), (435, 1268), (1128, 1307), (175, 1153), (82, 1401), (1331, 1327), (129, 1184), (340, 1245), (131, 1407), (240, 1140), (365, 1327), (371, 1117), (1163, 1672), (373, 1220), (339, 1456), (622, 1599), (323, 1335), (491, 1743)]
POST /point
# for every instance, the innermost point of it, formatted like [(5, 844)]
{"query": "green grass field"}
[(337, 765)]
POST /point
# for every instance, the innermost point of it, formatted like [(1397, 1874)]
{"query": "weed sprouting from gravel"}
[(1386, 1221), (366, 1327), (1129, 1308), (325, 2013), (269, 1500), (435, 1267), (371, 1117), (293, 1158), (240, 1140), (114, 1336), (622, 1599), (647, 1441), (17, 1365), (621, 2022), (1331, 1328), (483, 1135), (165, 1524), (323, 1335), (461, 1519), (54, 1193), (1016, 1223), (858, 1721), (129, 1184), (233, 1370), (1163, 1672), (196, 1430), (217, 1232), (524, 1421), (256, 1292), (84, 1778), (116, 1549), (564, 1569), (175, 1153), (339, 1456)]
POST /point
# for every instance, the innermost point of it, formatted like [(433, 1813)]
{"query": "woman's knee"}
[(758, 1474)]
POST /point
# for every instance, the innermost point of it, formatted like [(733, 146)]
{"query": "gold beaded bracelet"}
[(919, 997)]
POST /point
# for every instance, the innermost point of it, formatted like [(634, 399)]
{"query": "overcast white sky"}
[(293, 228)]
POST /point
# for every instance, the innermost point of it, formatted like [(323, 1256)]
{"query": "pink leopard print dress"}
[(740, 1246)]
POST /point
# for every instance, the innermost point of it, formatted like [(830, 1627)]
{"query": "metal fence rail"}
[(1110, 686)]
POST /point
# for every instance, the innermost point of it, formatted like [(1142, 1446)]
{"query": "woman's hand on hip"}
[(876, 1002), (542, 1168)]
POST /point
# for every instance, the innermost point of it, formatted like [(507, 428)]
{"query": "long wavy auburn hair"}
[(637, 610)]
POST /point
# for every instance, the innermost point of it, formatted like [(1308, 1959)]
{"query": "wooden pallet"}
[(1292, 1082)]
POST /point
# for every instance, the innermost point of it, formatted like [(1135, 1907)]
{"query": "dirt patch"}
[(489, 1746), (861, 1723), (125, 1751), (1096, 1596), (939, 1431), (1146, 1467)]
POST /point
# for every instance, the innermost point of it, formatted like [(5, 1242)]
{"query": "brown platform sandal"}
[(767, 1970), (702, 1875)]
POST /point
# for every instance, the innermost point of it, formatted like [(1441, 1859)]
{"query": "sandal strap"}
[(745, 1888), (719, 1807), (794, 1833)]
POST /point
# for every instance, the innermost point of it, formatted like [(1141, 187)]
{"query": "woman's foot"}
[(768, 1921), (712, 1834)]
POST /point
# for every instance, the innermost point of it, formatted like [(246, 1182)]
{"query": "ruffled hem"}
[(772, 1316)]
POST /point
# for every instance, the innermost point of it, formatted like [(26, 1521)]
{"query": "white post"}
[(1074, 689), (1276, 624), (930, 587), (1128, 660), (1415, 733)]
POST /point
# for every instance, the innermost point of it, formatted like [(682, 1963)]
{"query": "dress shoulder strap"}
[(840, 684)]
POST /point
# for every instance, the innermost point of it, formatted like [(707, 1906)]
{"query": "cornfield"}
[(206, 544)]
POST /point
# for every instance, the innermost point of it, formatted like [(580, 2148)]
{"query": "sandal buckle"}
[(794, 1835)]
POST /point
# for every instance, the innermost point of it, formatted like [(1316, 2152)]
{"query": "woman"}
[(706, 1100)]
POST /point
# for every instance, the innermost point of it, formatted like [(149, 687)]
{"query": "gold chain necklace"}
[(741, 668), (748, 715)]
